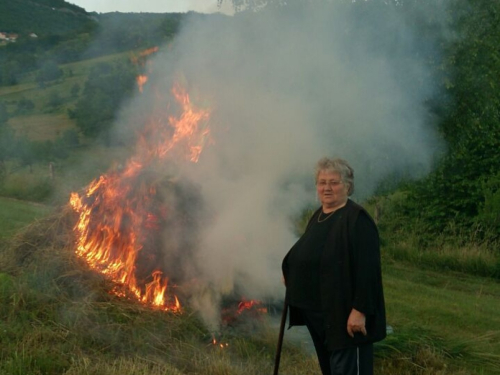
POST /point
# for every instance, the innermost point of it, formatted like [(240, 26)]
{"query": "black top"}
[(349, 277), (304, 261)]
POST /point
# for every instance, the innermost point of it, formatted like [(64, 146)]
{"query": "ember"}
[(219, 343), (252, 304), (234, 314)]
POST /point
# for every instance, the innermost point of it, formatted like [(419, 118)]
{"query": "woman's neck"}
[(327, 208)]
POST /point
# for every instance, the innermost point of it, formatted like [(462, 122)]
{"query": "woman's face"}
[(332, 191)]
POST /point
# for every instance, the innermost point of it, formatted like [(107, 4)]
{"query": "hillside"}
[(43, 17)]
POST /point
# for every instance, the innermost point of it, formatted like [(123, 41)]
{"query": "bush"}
[(489, 211)]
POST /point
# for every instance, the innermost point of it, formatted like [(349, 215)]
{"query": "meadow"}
[(58, 317)]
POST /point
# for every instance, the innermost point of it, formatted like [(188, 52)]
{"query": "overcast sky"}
[(157, 6)]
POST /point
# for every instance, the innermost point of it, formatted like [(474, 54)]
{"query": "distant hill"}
[(43, 17)]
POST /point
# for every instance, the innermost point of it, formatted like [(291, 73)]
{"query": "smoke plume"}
[(287, 87)]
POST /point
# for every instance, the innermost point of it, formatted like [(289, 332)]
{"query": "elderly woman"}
[(333, 276)]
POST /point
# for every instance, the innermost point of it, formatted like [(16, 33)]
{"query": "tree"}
[(106, 87), (470, 123)]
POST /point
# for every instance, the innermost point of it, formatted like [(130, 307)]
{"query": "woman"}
[(333, 276)]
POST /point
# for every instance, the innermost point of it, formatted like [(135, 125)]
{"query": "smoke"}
[(286, 88)]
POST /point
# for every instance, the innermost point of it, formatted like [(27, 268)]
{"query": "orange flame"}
[(252, 304), (141, 81), (221, 345), (148, 51), (140, 58), (116, 210)]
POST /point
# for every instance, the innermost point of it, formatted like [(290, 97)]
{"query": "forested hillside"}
[(87, 36), (43, 17)]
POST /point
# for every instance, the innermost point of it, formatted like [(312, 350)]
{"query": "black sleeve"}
[(367, 279)]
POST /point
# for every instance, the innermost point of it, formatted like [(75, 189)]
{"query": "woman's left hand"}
[(356, 323)]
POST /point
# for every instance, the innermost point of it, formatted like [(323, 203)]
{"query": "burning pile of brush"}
[(139, 226), (125, 215)]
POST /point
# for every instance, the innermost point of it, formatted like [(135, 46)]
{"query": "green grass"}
[(82, 68), (15, 215), (58, 318), (447, 313), (44, 122)]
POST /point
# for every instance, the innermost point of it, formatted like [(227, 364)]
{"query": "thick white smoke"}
[(286, 88)]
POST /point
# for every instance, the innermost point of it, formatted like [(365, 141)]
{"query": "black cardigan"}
[(350, 277)]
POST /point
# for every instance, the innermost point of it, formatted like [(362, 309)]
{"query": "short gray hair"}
[(339, 166)]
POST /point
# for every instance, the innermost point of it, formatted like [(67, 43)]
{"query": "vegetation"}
[(464, 187), (60, 92), (42, 17), (15, 215), (66, 33), (105, 89), (58, 317)]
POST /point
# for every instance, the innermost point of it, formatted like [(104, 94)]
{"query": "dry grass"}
[(58, 317)]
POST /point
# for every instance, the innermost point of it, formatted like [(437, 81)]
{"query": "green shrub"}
[(489, 211)]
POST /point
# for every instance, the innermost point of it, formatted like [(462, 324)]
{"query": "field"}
[(441, 322), (15, 214), (44, 122)]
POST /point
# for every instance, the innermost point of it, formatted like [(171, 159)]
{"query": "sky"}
[(154, 6)]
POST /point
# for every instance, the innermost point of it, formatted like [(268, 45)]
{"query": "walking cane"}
[(280, 339)]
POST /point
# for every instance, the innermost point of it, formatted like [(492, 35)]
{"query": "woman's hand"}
[(356, 323)]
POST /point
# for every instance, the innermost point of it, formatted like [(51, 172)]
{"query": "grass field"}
[(44, 122), (451, 315), (16, 214), (444, 323)]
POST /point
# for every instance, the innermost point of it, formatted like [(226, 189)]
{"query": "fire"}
[(141, 81), (140, 58), (118, 213), (236, 314), (251, 305), (218, 343)]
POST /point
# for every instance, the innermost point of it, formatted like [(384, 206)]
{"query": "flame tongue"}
[(119, 212)]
